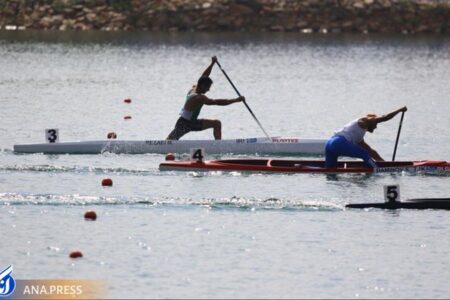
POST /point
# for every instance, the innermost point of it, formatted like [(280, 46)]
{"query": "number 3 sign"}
[(52, 135)]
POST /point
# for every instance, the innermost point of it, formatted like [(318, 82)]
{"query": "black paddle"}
[(398, 136), (239, 94)]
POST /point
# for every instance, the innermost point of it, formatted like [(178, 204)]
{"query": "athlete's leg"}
[(331, 155), (339, 146), (354, 150), (179, 130), (176, 134), (215, 124)]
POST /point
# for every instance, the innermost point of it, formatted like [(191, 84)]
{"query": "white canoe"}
[(274, 145)]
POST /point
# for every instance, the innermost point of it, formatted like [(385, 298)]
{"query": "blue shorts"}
[(339, 146)]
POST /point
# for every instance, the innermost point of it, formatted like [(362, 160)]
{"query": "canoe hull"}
[(305, 166), (276, 145), (431, 203)]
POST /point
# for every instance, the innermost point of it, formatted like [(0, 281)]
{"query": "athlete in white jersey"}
[(195, 99), (349, 140)]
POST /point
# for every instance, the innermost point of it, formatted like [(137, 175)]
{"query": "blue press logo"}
[(7, 282)]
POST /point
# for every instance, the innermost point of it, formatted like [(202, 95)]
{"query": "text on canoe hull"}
[(161, 142), (433, 169), (274, 140)]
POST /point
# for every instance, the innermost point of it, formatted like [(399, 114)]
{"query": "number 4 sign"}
[(197, 154), (391, 193), (52, 135)]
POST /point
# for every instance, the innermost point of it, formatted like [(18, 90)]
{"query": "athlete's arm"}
[(390, 115), (367, 122), (374, 154), (208, 70), (222, 102), (202, 99)]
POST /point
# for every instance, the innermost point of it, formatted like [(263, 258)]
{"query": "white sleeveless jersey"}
[(186, 114), (352, 132)]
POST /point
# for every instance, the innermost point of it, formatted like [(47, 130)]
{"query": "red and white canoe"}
[(307, 166)]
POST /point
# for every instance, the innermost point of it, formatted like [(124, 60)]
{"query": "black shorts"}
[(184, 126)]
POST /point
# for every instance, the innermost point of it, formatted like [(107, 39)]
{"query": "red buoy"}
[(170, 156), (90, 215), (76, 254), (112, 135), (127, 100), (107, 182), (127, 117)]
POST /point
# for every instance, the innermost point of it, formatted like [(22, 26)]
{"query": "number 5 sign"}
[(391, 193), (52, 135)]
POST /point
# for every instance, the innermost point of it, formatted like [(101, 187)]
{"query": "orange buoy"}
[(90, 215), (111, 135), (76, 254), (127, 100), (107, 182), (170, 156), (127, 117)]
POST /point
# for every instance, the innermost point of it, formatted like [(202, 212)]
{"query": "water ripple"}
[(241, 203), (75, 169)]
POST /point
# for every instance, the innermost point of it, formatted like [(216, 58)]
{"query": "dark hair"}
[(204, 81)]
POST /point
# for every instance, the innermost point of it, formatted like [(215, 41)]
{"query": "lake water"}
[(222, 235)]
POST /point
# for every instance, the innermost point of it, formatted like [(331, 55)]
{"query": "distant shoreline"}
[(307, 16)]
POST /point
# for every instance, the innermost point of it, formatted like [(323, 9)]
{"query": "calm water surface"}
[(220, 235)]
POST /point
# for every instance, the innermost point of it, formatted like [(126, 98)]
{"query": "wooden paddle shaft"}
[(398, 136), (239, 94)]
